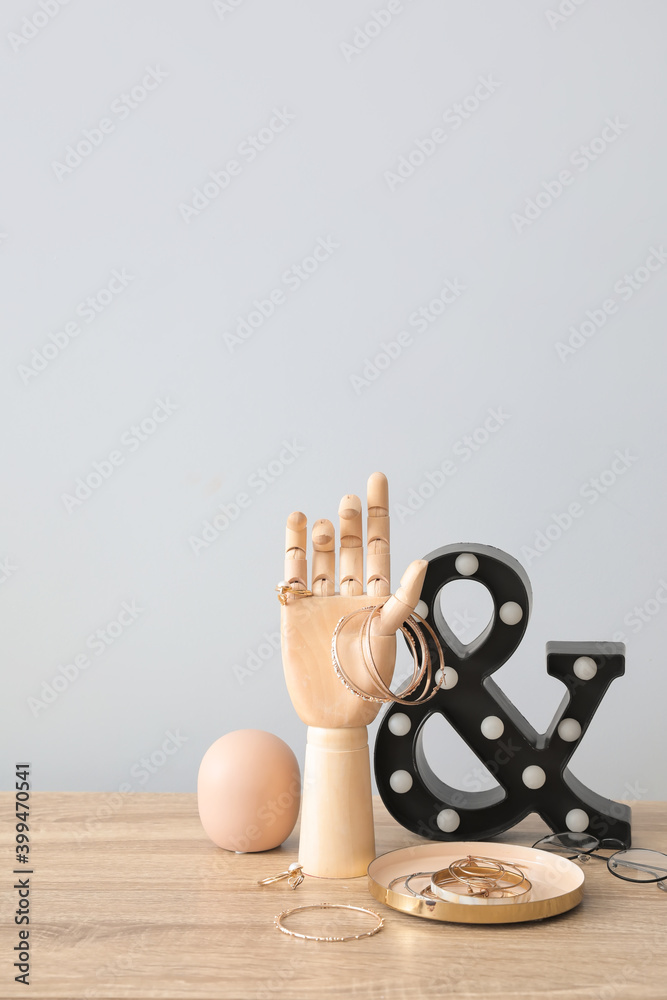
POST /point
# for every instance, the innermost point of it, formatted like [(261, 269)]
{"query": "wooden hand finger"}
[(377, 563), (296, 534), (403, 602), (324, 558), (351, 547)]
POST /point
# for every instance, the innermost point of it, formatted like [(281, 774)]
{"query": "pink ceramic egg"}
[(248, 791)]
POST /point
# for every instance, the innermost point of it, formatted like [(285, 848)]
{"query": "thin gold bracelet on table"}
[(328, 906)]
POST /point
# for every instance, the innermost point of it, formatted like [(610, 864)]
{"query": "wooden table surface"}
[(130, 899)]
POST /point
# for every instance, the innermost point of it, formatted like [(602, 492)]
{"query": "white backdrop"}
[(254, 251)]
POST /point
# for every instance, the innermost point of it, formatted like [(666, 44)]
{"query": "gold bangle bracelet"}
[(452, 891), (340, 673), (475, 870), (479, 876), (485, 875), (441, 884), (344, 678), (420, 670), (328, 906)]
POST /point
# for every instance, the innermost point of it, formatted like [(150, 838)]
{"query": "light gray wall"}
[(349, 106)]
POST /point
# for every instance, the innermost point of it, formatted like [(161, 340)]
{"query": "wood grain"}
[(130, 899)]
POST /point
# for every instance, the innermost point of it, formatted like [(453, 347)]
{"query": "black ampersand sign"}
[(531, 768)]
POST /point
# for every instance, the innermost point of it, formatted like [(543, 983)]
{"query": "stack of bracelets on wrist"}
[(480, 877), (422, 668)]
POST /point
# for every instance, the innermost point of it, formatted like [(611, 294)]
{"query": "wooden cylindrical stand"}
[(337, 835)]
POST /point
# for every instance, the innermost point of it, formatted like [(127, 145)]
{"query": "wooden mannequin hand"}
[(308, 623)]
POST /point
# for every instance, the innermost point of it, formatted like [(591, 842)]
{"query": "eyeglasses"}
[(630, 864)]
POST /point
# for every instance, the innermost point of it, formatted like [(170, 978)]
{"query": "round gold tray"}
[(558, 884)]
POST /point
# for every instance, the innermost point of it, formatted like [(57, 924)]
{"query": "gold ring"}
[(294, 876), (286, 590)]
